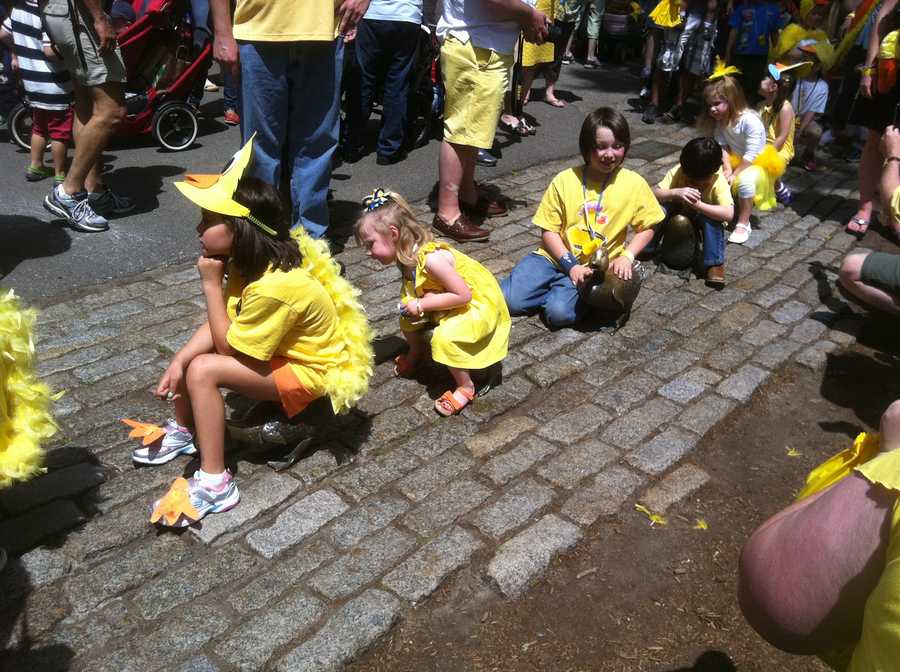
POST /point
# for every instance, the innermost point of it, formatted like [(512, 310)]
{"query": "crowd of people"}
[(284, 326)]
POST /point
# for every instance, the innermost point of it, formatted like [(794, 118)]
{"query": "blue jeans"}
[(535, 284), (203, 34), (713, 239), (291, 100), (385, 51)]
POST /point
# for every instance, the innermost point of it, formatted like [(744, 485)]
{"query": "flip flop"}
[(516, 129), (862, 225), (556, 102), (447, 405)]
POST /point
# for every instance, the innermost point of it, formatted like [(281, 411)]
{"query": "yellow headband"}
[(722, 70), (216, 192)]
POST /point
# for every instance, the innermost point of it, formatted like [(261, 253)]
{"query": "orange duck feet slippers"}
[(175, 504), (448, 404), (145, 431)]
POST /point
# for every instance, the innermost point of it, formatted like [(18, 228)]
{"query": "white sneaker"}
[(210, 86), (171, 509), (741, 233), (177, 441)]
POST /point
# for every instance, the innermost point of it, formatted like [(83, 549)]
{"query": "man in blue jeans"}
[(290, 56), (386, 46)]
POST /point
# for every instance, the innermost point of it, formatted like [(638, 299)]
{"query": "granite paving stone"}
[(763, 332), (604, 496), (370, 516), (674, 487), (525, 557), (510, 464), (355, 627), (629, 430), (626, 391), (808, 331), (703, 415), (570, 427), (790, 311), (663, 451), (816, 356), (682, 389), (417, 485), (519, 503), (297, 522), (500, 434), (420, 575), (443, 508), (743, 383), (577, 462), (775, 353)]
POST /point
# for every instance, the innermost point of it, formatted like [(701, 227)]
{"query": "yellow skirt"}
[(765, 171), (535, 54)]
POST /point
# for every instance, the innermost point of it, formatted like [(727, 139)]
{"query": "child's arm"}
[(6, 37), (622, 265), (687, 195), (553, 243), (441, 266), (785, 122), (212, 271), (726, 165), (201, 342), (719, 213)]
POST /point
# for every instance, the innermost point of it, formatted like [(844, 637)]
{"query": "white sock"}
[(210, 480)]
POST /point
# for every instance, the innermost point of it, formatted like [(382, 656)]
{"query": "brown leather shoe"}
[(461, 229), (484, 207), (715, 275)]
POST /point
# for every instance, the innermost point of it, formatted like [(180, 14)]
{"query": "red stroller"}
[(161, 72)]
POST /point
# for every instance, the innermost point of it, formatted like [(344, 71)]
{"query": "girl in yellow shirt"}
[(779, 118), (287, 328), (442, 288)]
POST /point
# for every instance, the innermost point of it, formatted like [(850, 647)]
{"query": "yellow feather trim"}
[(25, 419), (347, 382), (722, 70), (834, 469), (768, 159)]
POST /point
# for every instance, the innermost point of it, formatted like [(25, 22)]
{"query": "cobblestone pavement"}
[(321, 560)]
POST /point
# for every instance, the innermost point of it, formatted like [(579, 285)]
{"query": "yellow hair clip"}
[(722, 70)]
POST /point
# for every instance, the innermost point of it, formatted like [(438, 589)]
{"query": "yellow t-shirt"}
[(895, 206), (285, 20), (285, 314), (718, 193), (567, 207), (772, 122)]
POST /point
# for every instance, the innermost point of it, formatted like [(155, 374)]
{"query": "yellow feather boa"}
[(25, 419), (347, 382)]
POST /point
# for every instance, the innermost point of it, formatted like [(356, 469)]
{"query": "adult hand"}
[(225, 51), (536, 27), (212, 270), (621, 266), (350, 35), (689, 195), (170, 381), (890, 142), (350, 13), (865, 86), (580, 274), (105, 34)]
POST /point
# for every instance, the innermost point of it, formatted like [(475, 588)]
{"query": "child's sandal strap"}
[(447, 403)]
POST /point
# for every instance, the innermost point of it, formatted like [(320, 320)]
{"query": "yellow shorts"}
[(475, 80)]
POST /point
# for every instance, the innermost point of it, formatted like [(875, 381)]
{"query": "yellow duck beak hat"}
[(778, 69), (216, 192)]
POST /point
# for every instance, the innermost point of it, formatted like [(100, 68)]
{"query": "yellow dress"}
[(879, 641), (771, 121), (472, 336), (535, 54)]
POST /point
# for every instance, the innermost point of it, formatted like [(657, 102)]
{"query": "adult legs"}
[(851, 279), (403, 38), (869, 172), (370, 57), (314, 129), (456, 179), (98, 112)]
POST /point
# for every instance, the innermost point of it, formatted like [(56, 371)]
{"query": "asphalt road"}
[(44, 261)]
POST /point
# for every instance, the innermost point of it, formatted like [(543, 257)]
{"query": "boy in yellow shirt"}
[(697, 190)]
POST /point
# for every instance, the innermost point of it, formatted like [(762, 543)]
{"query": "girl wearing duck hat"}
[(287, 328)]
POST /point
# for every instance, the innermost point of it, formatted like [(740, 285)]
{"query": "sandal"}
[(407, 367), (862, 225), (516, 129), (447, 404), (527, 128)]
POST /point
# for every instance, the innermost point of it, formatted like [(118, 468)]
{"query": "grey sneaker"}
[(108, 202), (177, 441), (204, 500), (75, 209)]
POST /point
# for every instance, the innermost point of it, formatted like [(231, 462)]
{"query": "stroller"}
[(161, 71)]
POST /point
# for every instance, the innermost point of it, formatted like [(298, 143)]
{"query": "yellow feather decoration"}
[(25, 419), (832, 470), (667, 14), (654, 518), (348, 381), (721, 69)]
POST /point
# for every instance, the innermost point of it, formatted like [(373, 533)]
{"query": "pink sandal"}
[(447, 404)]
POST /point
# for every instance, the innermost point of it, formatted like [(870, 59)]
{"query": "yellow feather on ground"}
[(25, 419)]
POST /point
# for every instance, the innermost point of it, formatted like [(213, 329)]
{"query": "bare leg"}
[(527, 80), (59, 151), (550, 92), (659, 81), (591, 56), (745, 209), (890, 427), (685, 86), (649, 49), (851, 280), (463, 379), (98, 112), (869, 171), (38, 145), (456, 169), (205, 375), (416, 342)]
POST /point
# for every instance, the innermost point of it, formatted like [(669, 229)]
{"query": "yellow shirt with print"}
[(566, 207), (285, 20), (285, 314), (718, 193)]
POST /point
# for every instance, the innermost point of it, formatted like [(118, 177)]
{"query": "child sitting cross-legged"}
[(697, 189), (585, 208), (442, 288), (286, 328)]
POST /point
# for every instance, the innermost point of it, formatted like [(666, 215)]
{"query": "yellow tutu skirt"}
[(765, 171)]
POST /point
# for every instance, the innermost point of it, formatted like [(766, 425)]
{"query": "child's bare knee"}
[(890, 420), (200, 371)]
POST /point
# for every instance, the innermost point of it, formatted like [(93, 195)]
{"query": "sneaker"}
[(37, 174), (649, 116), (173, 511), (485, 158), (75, 209), (210, 86), (108, 202), (177, 441), (232, 118), (645, 92), (567, 59), (783, 194)]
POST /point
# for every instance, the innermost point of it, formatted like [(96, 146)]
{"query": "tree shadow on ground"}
[(710, 661), (27, 237)]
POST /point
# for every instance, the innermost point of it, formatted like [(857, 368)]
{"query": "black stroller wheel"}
[(19, 125), (175, 126)]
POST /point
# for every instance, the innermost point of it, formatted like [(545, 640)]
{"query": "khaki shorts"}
[(78, 44), (475, 80)]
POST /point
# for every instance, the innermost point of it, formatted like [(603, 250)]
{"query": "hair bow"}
[(376, 199), (722, 70)]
